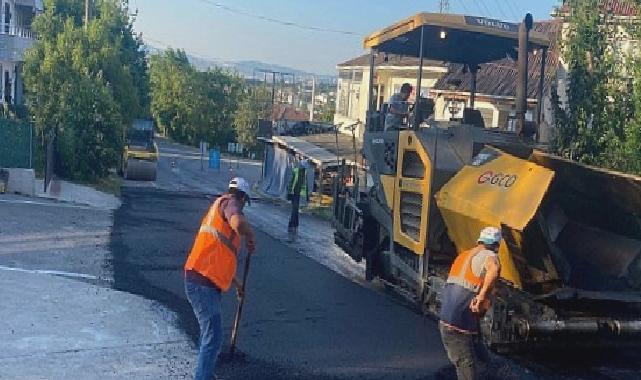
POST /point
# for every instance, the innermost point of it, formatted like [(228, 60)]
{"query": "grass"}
[(110, 184)]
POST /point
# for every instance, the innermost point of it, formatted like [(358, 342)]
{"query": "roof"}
[(345, 149), (289, 113), (310, 151), (614, 7), (500, 78), (451, 38), (389, 60), (320, 148)]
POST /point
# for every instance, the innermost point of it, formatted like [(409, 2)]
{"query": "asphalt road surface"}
[(302, 320)]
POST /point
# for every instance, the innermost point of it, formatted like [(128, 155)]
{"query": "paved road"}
[(302, 320), (309, 314), (60, 318)]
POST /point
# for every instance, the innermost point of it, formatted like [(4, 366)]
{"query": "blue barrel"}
[(214, 159)]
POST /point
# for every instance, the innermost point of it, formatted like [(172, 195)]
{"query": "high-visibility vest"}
[(461, 287), (296, 176), (214, 252), (462, 274)]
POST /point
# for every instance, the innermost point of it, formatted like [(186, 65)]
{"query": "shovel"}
[(239, 310)]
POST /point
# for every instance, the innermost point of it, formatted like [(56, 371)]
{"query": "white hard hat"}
[(490, 236), (240, 184)]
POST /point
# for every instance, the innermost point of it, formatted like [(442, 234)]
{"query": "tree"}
[(253, 107), (327, 112), (583, 133), (85, 86), (600, 124), (192, 105)]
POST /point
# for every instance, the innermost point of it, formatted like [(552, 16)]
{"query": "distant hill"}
[(248, 69)]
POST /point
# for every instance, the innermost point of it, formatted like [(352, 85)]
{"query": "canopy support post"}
[(417, 103), (473, 70), (522, 85), (539, 101), (370, 94)]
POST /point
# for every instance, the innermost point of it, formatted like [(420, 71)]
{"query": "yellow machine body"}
[(412, 196), (504, 192)]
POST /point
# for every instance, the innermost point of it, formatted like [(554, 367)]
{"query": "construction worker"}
[(465, 300), (296, 190), (398, 107), (211, 269)]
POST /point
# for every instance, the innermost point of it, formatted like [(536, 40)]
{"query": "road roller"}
[(140, 156)]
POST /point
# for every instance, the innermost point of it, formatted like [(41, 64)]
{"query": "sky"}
[(228, 30)]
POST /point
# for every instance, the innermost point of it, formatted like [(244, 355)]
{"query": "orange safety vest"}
[(461, 272), (213, 254)]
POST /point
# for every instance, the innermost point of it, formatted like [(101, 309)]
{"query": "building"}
[(16, 36), (285, 117)]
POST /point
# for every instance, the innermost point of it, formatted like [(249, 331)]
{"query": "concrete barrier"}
[(21, 181)]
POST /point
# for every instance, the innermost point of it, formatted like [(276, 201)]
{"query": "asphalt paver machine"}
[(571, 258)]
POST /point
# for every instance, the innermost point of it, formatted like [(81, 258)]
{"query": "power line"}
[(277, 21), (191, 53), (462, 2), (487, 10), (515, 12), (500, 8), (444, 6), (480, 10)]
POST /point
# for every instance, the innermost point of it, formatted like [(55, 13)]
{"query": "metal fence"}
[(16, 144)]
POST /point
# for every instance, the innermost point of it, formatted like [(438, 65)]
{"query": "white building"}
[(16, 36)]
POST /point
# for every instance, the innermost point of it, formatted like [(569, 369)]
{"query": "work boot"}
[(292, 234)]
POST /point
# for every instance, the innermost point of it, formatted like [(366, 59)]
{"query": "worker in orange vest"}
[(211, 269), (465, 298)]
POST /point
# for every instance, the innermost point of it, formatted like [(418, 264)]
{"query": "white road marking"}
[(53, 203), (50, 272)]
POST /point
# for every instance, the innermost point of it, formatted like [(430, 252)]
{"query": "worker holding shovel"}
[(211, 269)]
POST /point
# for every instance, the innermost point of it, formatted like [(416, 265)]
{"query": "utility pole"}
[(87, 14), (444, 6), (311, 110), (274, 73)]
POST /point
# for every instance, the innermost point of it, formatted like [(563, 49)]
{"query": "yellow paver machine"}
[(571, 258)]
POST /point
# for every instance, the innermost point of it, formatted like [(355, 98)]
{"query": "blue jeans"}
[(206, 304)]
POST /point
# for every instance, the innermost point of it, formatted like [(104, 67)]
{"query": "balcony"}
[(16, 31), (14, 41)]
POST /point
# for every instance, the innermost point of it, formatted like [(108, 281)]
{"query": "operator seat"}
[(473, 117)]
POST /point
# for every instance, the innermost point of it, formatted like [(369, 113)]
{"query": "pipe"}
[(521, 89), (612, 328), (623, 328)]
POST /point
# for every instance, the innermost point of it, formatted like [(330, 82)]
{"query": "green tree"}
[(583, 128), (255, 105), (601, 121), (192, 105), (327, 112), (85, 86)]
